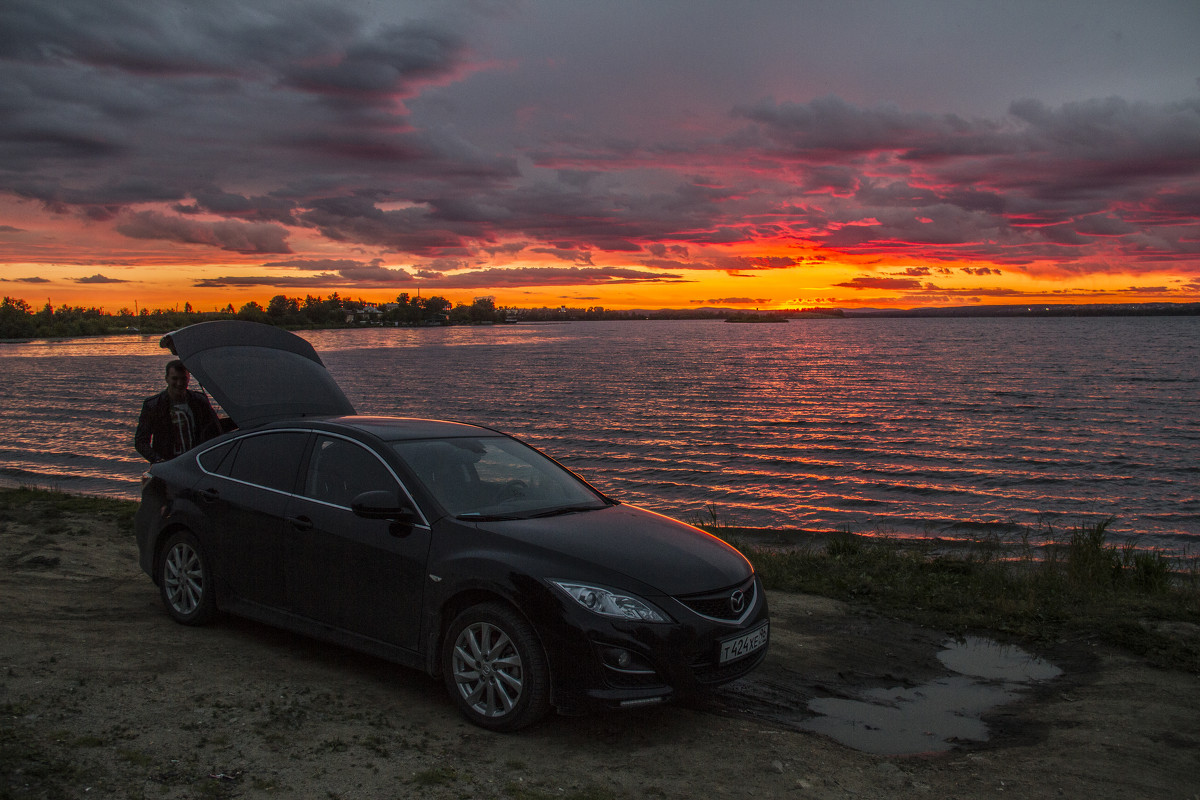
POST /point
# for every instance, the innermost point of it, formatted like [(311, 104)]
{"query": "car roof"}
[(258, 373), (395, 429)]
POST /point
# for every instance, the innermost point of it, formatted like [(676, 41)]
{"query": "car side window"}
[(212, 460), (269, 459), (339, 470)]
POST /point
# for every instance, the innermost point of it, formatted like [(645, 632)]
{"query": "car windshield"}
[(495, 477)]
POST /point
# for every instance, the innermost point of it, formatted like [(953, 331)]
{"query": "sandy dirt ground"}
[(101, 695)]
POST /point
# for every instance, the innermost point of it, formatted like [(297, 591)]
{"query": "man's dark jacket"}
[(154, 438)]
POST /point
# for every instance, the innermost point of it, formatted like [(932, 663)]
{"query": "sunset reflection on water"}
[(917, 427)]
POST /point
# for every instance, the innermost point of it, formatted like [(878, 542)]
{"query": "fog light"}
[(617, 657)]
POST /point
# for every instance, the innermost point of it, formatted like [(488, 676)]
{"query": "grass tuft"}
[(32, 504), (436, 776)]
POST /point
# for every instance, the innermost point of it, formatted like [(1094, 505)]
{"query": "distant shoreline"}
[(156, 325), (1026, 310)]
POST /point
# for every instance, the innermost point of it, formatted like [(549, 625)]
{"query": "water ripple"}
[(908, 426)]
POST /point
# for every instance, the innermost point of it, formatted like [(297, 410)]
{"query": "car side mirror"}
[(383, 505)]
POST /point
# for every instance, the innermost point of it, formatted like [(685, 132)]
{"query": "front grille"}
[(719, 606)]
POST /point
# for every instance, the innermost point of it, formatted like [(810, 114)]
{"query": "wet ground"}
[(939, 714), (919, 692)]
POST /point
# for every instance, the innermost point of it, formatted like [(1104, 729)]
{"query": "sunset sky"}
[(645, 154)]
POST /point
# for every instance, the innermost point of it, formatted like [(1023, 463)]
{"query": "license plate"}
[(744, 645)]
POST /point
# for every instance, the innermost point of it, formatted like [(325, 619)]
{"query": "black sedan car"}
[(442, 546)]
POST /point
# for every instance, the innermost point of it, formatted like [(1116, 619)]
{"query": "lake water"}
[(927, 427)]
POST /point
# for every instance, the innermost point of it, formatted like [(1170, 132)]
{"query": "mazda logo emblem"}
[(737, 601)]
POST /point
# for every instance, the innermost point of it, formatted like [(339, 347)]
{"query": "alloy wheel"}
[(183, 579), (487, 669)]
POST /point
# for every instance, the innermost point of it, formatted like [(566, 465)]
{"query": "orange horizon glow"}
[(778, 290), (148, 283), (149, 275)]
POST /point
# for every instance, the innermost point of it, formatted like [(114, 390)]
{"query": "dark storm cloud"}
[(382, 66), (565, 254), (98, 278), (924, 272), (228, 204), (26, 280), (829, 128), (375, 274), (553, 276), (319, 264), (891, 284), (1039, 183), (277, 281), (195, 100), (1016, 188), (363, 275), (239, 237), (663, 263), (356, 272), (360, 220), (217, 37), (377, 277)]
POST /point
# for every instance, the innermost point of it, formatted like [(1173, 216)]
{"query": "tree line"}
[(19, 320)]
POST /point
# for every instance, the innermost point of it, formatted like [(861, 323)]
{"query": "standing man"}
[(175, 420)]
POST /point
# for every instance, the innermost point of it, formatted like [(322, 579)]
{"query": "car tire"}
[(185, 581), (495, 668)]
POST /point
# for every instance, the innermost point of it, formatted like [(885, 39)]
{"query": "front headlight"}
[(608, 603)]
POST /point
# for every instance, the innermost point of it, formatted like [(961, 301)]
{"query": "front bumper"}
[(600, 662)]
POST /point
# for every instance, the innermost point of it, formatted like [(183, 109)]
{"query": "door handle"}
[(301, 523), (209, 495)]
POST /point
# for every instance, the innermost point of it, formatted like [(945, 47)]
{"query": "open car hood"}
[(258, 373)]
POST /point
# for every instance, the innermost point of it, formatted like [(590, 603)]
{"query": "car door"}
[(361, 575), (245, 492)]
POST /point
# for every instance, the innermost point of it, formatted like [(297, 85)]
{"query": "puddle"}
[(983, 658), (935, 716)]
